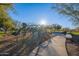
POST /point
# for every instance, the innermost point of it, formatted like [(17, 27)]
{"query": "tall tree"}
[(57, 26), (70, 10), (6, 21)]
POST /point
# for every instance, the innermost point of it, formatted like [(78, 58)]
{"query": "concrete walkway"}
[(53, 47)]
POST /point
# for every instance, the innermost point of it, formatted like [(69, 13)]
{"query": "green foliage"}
[(56, 26), (6, 21), (4, 8), (70, 10)]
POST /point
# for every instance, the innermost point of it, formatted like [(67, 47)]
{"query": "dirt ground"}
[(72, 48)]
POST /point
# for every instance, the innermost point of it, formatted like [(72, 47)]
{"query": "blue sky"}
[(34, 13)]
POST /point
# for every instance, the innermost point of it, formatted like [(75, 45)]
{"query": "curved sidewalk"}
[(53, 47)]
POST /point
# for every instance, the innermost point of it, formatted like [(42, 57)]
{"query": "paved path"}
[(52, 47)]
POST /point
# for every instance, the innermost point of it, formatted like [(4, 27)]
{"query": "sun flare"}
[(43, 22)]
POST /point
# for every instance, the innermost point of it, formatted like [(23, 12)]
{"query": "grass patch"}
[(1, 34), (75, 33)]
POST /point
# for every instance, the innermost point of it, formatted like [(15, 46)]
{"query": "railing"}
[(22, 44)]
